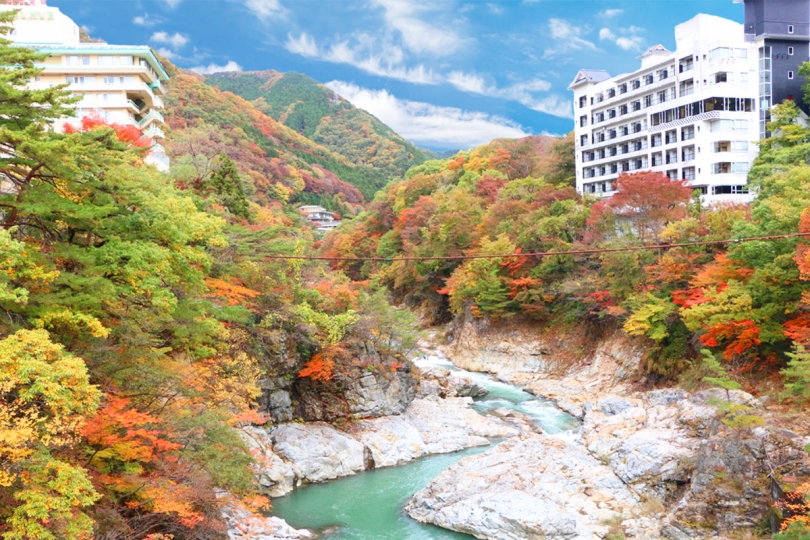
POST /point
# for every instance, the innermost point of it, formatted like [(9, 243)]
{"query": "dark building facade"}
[(781, 28)]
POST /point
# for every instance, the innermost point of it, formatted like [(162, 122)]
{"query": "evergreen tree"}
[(797, 374), (227, 185)]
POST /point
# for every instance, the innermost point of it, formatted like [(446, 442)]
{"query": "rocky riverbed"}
[(646, 464), (293, 454)]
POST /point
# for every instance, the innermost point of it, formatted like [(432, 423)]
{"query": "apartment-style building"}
[(780, 30), (121, 84), (690, 114)]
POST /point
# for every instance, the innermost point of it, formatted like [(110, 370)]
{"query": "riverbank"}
[(321, 476), (648, 463), (640, 463)]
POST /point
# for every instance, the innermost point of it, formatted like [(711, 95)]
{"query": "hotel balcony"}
[(150, 117), (154, 132)]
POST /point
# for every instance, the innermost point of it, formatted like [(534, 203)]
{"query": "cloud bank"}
[(427, 124)]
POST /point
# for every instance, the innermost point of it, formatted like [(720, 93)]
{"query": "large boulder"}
[(317, 451), (448, 425), (528, 487), (276, 477)]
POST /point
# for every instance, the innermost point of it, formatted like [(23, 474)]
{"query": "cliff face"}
[(693, 471), (367, 384)]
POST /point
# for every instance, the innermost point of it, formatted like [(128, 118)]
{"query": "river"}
[(368, 506)]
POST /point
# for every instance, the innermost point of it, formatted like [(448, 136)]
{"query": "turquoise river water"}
[(369, 506)]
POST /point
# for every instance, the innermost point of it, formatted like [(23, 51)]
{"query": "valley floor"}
[(642, 463)]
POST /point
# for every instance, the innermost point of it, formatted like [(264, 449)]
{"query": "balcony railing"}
[(154, 132), (151, 115)]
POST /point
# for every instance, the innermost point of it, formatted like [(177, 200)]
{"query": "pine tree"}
[(797, 374), (225, 182), (720, 376)]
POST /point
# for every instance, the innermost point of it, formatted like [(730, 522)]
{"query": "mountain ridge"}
[(320, 114)]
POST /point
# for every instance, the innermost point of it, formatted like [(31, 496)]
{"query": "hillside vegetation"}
[(316, 112), (140, 310), (747, 302)]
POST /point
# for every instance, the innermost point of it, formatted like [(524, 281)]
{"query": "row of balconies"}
[(613, 151), (634, 106), (648, 79)]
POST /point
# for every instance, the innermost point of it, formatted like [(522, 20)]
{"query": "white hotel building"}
[(691, 114), (122, 84)]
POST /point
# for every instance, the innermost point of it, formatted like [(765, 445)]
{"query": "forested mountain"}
[(315, 111), (277, 163)]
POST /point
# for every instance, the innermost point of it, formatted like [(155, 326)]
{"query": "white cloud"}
[(524, 93), (175, 40), (567, 38), (495, 9), (446, 127), (214, 68), (606, 33), (303, 45), (147, 20), (163, 51), (173, 3), (611, 12), (389, 64), (265, 8), (627, 41), (630, 43), (417, 35)]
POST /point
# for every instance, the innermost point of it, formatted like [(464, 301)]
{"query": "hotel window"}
[(790, 29), (790, 75), (106, 60), (109, 80), (744, 77), (105, 98), (78, 60), (583, 120), (583, 101), (790, 51), (126, 61), (75, 80)]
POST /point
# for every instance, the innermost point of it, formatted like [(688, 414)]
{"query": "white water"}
[(503, 395)]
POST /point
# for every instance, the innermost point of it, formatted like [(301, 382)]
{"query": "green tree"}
[(227, 185), (797, 374)]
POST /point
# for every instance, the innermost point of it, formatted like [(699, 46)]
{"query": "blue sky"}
[(443, 73)]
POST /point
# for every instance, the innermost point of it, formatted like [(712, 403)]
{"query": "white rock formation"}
[(317, 452), (529, 487)]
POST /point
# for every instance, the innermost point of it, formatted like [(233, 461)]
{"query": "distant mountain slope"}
[(266, 151), (316, 112)]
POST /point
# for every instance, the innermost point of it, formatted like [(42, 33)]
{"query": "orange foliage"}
[(675, 266), (516, 286), (721, 271), (798, 329), (743, 335), (337, 297), (126, 134), (322, 366), (232, 294), (689, 297)]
